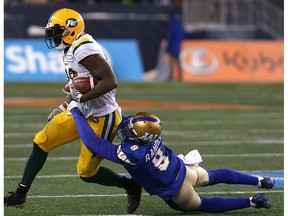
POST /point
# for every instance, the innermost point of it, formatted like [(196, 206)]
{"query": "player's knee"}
[(86, 172), (37, 147), (192, 205), (40, 137), (88, 167), (175, 206), (203, 177), (41, 140)]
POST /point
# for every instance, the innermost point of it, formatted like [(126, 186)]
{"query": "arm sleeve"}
[(96, 144)]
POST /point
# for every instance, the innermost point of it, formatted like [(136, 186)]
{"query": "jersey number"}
[(160, 161)]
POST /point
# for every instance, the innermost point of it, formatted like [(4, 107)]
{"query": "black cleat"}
[(134, 197), (267, 182), (14, 200), (261, 201)]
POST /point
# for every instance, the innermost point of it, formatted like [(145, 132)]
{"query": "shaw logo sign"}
[(31, 60), (26, 59)]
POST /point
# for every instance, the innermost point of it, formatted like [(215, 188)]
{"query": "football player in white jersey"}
[(82, 56)]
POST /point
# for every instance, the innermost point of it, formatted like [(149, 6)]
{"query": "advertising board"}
[(31, 60), (232, 61)]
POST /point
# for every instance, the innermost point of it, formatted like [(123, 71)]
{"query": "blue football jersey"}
[(154, 166)]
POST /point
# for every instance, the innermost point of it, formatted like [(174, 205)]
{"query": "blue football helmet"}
[(143, 128)]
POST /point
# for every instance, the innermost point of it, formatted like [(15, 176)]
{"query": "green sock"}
[(34, 164), (107, 177)]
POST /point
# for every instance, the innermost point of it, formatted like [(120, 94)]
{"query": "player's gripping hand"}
[(74, 94), (57, 110)]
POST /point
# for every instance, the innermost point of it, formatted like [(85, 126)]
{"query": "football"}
[(82, 83)]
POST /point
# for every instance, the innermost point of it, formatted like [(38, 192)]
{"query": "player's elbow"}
[(109, 85), (115, 84)]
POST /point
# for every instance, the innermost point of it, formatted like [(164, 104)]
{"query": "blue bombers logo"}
[(149, 137)]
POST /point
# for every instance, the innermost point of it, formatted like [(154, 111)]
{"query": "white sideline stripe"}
[(124, 195), (186, 133), (13, 135), (27, 125), (49, 158), (170, 143), (229, 142), (16, 146), (243, 155), (204, 155), (46, 176), (76, 176), (224, 132)]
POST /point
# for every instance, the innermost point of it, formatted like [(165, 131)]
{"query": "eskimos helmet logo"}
[(71, 22)]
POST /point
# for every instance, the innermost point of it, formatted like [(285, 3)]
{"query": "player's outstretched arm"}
[(96, 144)]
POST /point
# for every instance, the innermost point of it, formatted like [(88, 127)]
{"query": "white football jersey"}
[(80, 49)]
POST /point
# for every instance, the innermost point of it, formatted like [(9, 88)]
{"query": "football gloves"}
[(74, 94), (57, 110)]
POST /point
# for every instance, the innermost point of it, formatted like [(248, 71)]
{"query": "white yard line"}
[(144, 194), (17, 146), (203, 155), (170, 143), (76, 176)]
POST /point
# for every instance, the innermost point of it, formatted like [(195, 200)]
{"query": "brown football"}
[(82, 83)]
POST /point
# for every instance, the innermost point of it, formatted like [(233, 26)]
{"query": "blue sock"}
[(228, 176), (222, 204)]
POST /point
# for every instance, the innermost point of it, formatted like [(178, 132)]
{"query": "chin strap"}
[(62, 46)]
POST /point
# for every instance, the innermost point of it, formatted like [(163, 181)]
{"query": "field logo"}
[(199, 61)]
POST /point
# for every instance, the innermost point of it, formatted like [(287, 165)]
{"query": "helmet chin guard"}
[(62, 46)]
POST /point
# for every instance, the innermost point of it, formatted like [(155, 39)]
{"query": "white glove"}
[(57, 110), (74, 94), (193, 157)]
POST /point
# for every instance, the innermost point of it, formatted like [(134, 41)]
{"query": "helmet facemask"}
[(54, 35), (124, 131)]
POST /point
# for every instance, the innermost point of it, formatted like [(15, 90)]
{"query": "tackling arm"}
[(96, 144)]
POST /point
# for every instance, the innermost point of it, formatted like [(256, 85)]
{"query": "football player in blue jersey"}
[(161, 172)]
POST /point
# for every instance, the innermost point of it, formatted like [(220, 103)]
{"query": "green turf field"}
[(249, 139)]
